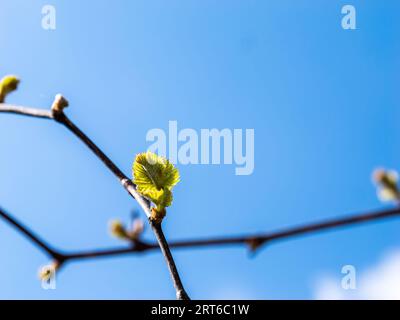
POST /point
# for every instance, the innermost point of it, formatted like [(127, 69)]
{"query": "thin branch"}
[(26, 111), (125, 181), (180, 291), (32, 236), (60, 117), (254, 240)]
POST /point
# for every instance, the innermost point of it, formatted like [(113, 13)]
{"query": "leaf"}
[(152, 171), (155, 177), (166, 198)]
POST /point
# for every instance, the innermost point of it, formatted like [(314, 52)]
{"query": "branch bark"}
[(254, 241), (32, 236)]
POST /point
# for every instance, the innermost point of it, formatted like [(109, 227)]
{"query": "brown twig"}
[(32, 236), (254, 241), (31, 112), (180, 291), (60, 117)]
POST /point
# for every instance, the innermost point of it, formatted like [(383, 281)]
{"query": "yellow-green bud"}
[(118, 230), (7, 85)]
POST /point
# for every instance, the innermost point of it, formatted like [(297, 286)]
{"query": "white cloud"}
[(381, 281)]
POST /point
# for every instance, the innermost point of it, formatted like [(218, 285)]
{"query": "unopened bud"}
[(118, 230), (8, 84), (254, 243), (137, 229), (48, 271), (387, 184), (59, 104)]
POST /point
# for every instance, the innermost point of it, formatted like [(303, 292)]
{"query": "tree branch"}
[(60, 117), (26, 111), (254, 241), (32, 236), (180, 291)]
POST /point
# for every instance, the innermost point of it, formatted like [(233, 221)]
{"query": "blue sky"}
[(322, 101)]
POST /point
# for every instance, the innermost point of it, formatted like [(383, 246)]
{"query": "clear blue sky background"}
[(323, 102)]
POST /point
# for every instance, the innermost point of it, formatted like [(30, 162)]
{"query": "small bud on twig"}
[(137, 229), (118, 230), (7, 85), (59, 104), (387, 184), (48, 271), (254, 243)]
